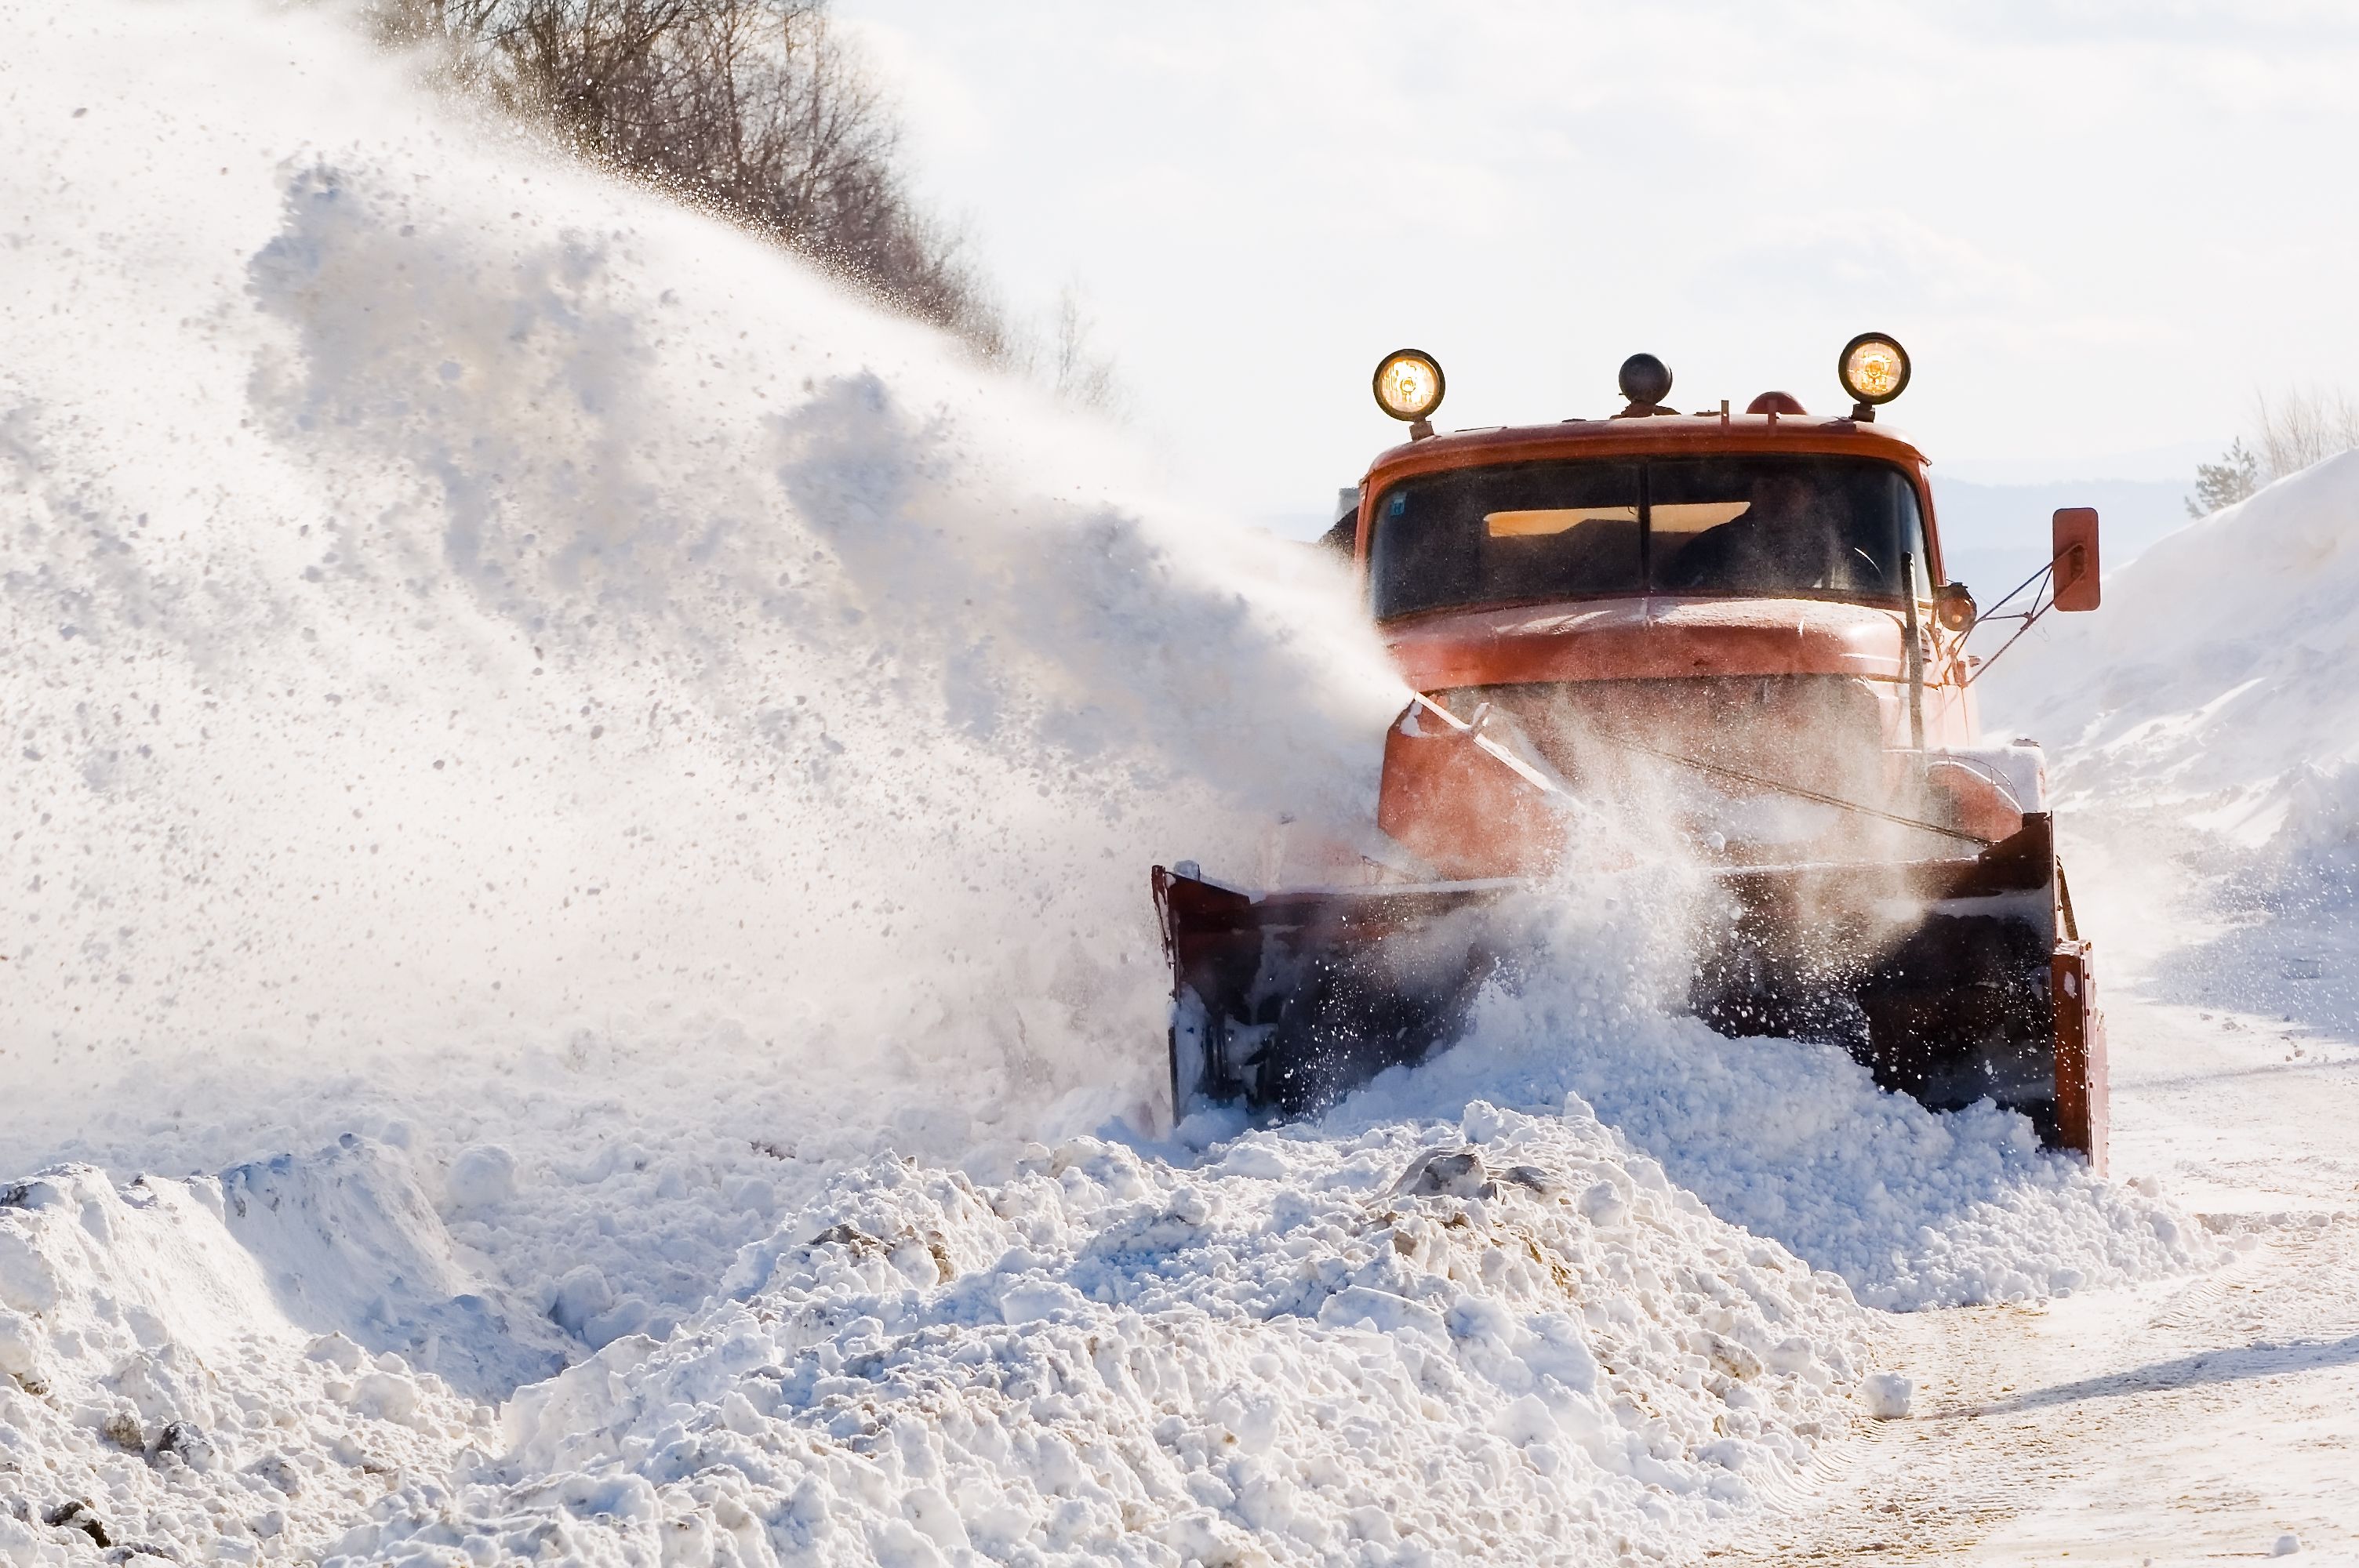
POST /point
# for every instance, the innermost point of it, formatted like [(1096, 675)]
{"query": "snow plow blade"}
[(1952, 980)]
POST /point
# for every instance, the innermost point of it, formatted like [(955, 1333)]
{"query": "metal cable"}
[(1794, 789)]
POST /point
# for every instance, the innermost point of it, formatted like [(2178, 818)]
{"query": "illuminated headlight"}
[(1874, 369), (1408, 384)]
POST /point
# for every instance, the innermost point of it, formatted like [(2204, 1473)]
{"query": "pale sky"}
[(2098, 228)]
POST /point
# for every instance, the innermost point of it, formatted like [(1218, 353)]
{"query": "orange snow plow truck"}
[(1730, 632)]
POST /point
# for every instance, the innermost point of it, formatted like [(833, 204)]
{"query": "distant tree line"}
[(2290, 433), (756, 110)]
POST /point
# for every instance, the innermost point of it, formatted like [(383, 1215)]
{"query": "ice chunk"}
[(480, 1177), (337, 1351), (16, 1343), (386, 1396), (27, 1282), (1887, 1394), (581, 1295), (1446, 1172)]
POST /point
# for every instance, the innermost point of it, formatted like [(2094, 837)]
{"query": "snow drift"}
[(2217, 680)]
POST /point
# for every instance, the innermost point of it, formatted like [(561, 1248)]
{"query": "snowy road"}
[(2176, 1422)]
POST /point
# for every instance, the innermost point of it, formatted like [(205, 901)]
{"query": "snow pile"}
[(351, 1243), (2219, 684), (1505, 1339), (1797, 1143), (603, 1174), (1504, 1334), (1793, 1141), (165, 1386)]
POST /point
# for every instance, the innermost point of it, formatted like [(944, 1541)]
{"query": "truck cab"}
[(1755, 601)]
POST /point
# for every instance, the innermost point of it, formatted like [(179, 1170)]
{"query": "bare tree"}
[(1066, 358), (2303, 427), (752, 108)]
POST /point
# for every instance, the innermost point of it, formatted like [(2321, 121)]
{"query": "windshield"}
[(1807, 526)]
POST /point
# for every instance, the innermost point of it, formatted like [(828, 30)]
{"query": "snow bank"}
[(2219, 686), (164, 1388), (1504, 1339), (1797, 1143), (351, 1245), (2202, 729)]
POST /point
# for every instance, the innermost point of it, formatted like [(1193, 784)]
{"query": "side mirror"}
[(1953, 607), (2075, 556)]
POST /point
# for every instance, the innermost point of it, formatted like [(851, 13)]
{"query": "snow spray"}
[(449, 597)]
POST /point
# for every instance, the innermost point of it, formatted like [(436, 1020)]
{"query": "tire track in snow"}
[(2197, 1418)]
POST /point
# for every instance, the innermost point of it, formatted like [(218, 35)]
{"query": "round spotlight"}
[(1874, 368), (1408, 384)]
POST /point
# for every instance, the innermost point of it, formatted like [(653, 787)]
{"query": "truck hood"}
[(1652, 637)]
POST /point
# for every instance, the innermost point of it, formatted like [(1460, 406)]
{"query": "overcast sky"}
[(2097, 227)]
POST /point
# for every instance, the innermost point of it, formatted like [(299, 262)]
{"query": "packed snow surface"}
[(580, 975)]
